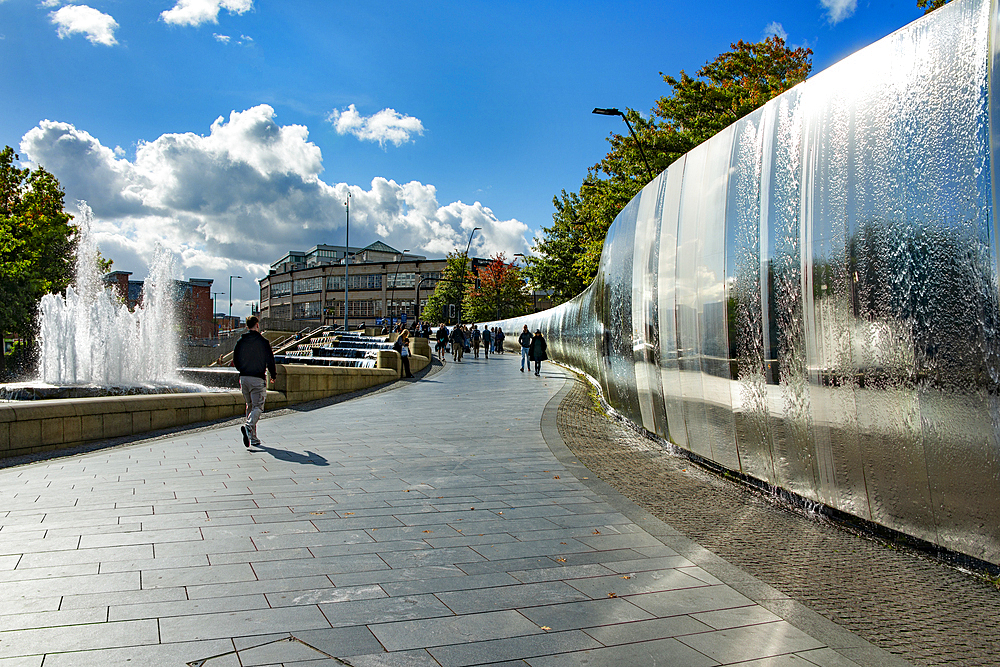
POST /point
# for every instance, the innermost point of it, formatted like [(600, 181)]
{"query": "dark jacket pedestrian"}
[(457, 343), (253, 355), (487, 342), (253, 358), (524, 340), (537, 349), (441, 335)]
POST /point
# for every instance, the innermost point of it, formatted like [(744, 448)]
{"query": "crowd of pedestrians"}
[(464, 339)]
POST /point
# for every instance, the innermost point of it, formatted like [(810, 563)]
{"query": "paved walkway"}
[(441, 523)]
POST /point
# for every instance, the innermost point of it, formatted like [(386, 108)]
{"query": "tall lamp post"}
[(231, 295), (392, 292), (347, 256), (468, 245), (616, 112), (214, 320)]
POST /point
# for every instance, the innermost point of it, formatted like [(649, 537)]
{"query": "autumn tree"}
[(721, 92), (37, 245), (499, 292)]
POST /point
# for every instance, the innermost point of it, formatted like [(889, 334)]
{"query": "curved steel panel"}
[(811, 296)]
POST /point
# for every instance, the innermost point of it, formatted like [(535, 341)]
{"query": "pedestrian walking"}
[(477, 339), (442, 341), (537, 350), (457, 343), (253, 358), (487, 342), (524, 340), (402, 345)]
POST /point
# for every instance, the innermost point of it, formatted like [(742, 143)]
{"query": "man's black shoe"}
[(246, 437)]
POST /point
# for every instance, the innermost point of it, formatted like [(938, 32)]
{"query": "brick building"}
[(193, 298)]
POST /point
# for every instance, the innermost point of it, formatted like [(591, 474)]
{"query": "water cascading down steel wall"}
[(811, 296)]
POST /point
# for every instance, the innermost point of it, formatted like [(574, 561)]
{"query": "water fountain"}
[(91, 344)]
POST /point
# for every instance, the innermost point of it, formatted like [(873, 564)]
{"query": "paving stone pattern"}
[(441, 522), (924, 611)]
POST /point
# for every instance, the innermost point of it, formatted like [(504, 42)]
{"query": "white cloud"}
[(97, 26), (238, 198), (386, 125), (838, 10), (196, 12), (775, 29), (221, 38)]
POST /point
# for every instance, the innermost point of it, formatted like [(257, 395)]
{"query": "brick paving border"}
[(922, 610)]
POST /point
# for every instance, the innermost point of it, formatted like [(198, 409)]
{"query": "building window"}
[(401, 280), (281, 289), (309, 310), (366, 308), (264, 291), (307, 285), (281, 312), (360, 281)]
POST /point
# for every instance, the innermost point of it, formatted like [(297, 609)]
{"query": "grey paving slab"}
[(384, 610), (640, 582), (658, 652), (500, 651), (642, 631), (465, 629), (51, 619), (418, 658), (387, 537), (77, 638), (751, 642), (158, 654), (326, 595), (156, 610), (241, 623)]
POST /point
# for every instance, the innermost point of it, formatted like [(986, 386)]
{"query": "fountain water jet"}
[(92, 344)]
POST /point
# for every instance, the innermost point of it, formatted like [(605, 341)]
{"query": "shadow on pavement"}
[(294, 457)]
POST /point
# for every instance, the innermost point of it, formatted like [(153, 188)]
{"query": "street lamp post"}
[(388, 308), (468, 245), (616, 112), (215, 321), (231, 294), (347, 256)]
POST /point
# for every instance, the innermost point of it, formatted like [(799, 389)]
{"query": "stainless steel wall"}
[(811, 296)]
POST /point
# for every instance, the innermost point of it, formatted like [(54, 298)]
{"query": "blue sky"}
[(230, 131)]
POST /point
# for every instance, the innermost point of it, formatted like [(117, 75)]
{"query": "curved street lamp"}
[(347, 256), (388, 308), (616, 112), (469, 245)]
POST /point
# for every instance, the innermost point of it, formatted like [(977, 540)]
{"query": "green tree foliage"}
[(450, 289), (721, 92), (500, 292), (37, 244), (930, 5)]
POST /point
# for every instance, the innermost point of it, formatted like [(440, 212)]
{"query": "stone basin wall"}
[(28, 427)]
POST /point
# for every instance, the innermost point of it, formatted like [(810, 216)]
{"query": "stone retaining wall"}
[(28, 427)]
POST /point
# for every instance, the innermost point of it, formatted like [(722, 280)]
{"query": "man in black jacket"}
[(253, 358)]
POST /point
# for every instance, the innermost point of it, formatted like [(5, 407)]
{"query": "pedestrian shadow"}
[(294, 457)]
